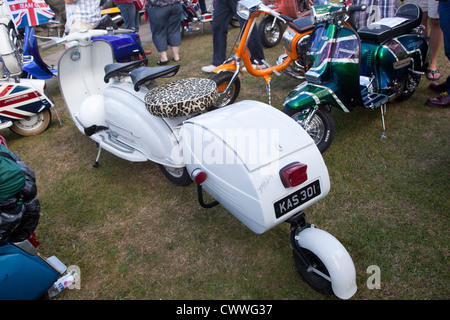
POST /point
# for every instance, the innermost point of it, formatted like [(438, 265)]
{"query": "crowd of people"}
[(164, 17)]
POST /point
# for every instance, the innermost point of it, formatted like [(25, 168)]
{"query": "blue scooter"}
[(25, 274), (127, 47)]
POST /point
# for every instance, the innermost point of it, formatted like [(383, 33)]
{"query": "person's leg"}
[(222, 17), (173, 29), (254, 44), (436, 39), (202, 5), (158, 27), (128, 13), (443, 101), (444, 14)]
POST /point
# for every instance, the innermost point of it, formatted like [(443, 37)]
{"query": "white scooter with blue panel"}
[(251, 158)]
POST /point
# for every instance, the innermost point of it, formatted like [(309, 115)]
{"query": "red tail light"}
[(198, 176), (294, 174)]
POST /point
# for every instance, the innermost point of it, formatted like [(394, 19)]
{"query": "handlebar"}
[(82, 36), (354, 8)]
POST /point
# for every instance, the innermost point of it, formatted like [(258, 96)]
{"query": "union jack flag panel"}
[(29, 12), (19, 101)]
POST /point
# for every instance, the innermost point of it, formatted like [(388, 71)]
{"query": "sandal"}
[(431, 75), (173, 59), (161, 63)]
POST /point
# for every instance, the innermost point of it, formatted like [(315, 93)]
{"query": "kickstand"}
[(95, 165), (269, 92), (383, 111)]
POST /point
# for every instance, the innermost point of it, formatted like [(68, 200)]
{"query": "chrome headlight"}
[(245, 8), (288, 35)]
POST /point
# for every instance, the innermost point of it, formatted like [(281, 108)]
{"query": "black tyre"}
[(178, 176), (33, 125), (222, 79), (321, 128), (235, 22), (316, 281), (269, 36), (410, 85)]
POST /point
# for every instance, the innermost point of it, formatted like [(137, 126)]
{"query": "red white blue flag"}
[(29, 12)]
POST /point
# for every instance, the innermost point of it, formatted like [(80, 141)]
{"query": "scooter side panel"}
[(23, 276), (417, 47), (123, 44), (132, 124), (397, 56), (23, 99)]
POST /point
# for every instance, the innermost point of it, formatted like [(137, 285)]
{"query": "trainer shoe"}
[(254, 66), (209, 69)]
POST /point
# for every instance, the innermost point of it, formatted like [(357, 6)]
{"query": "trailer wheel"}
[(316, 281)]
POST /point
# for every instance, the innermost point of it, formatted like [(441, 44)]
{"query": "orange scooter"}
[(296, 34)]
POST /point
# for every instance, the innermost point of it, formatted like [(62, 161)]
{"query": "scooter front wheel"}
[(33, 125), (222, 79), (321, 127), (178, 176)]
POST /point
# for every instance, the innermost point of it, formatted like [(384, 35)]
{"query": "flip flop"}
[(161, 63), (173, 59), (430, 75)]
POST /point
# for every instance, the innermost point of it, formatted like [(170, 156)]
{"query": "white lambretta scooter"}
[(250, 157)]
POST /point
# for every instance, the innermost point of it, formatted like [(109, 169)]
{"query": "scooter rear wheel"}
[(178, 176), (33, 125), (222, 79)]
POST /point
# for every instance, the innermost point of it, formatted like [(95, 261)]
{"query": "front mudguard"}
[(226, 67), (307, 95), (334, 256)]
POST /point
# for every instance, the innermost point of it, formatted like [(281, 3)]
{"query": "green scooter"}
[(346, 68)]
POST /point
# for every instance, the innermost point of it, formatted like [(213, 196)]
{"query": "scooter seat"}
[(301, 25), (117, 69), (407, 17), (182, 97)]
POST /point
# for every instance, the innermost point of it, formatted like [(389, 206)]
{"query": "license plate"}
[(296, 199)]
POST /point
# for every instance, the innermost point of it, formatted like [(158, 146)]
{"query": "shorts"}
[(429, 6)]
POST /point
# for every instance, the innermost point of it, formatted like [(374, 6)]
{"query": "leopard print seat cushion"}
[(181, 97)]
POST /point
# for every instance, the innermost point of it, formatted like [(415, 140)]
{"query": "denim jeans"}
[(224, 10), (165, 25), (444, 20), (130, 16)]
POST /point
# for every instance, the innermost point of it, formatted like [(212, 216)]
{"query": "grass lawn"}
[(134, 235)]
